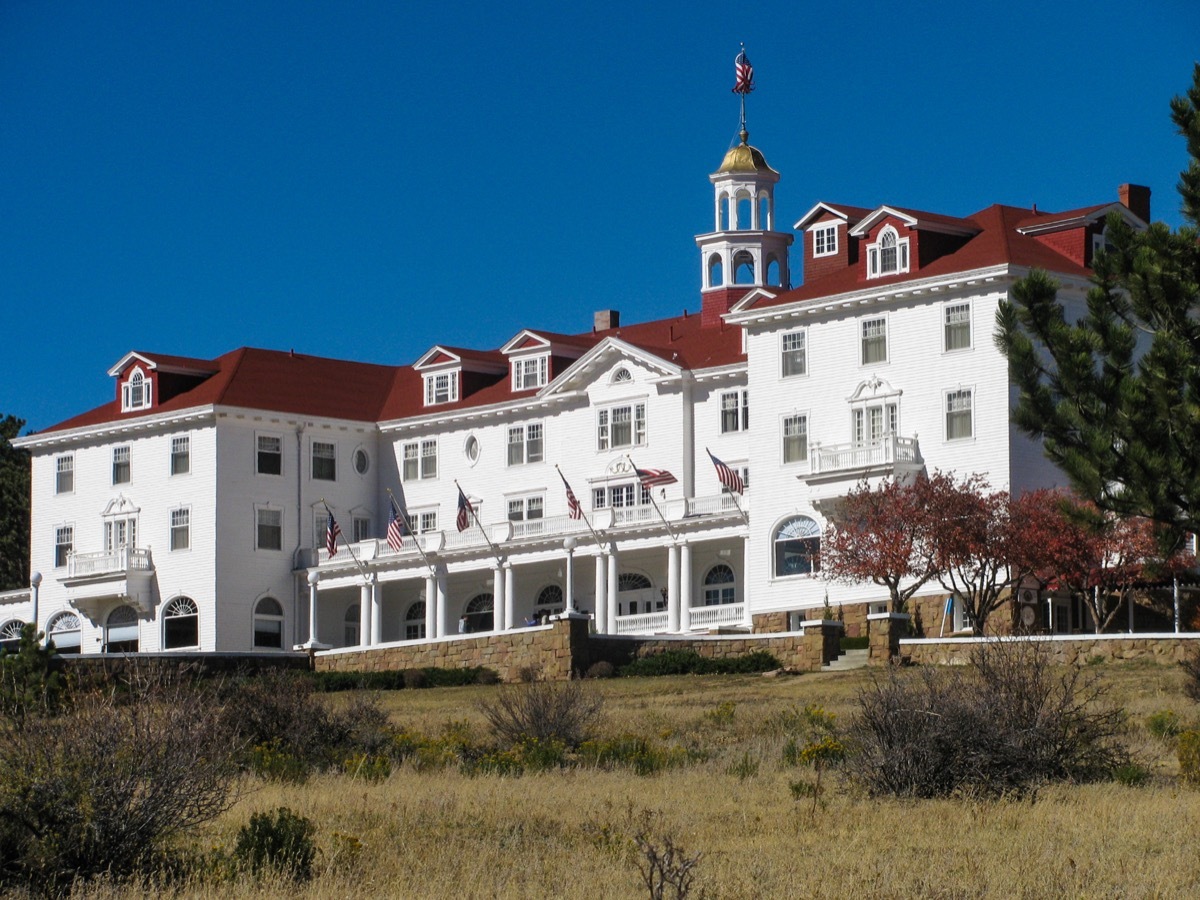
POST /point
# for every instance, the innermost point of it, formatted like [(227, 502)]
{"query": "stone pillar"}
[(364, 614), (601, 605), (431, 600), (442, 612), (821, 642), (613, 586), (685, 587), (886, 630), (510, 596), (497, 597), (747, 616), (673, 588), (376, 610)]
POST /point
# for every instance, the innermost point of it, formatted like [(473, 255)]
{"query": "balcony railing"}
[(891, 451), (109, 562), (645, 623), (547, 527), (714, 616)]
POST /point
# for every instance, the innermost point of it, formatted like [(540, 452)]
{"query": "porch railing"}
[(645, 623), (714, 616)]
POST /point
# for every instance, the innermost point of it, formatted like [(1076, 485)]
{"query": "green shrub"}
[(271, 762), (401, 679), (281, 841), (689, 662), (30, 683), (1187, 749), (1131, 775), (367, 766), (1164, 724), (855, 643), (745, 767), (634, 752), (601, 669), (722, 714)]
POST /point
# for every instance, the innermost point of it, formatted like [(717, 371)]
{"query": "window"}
[(64, 474), (64, 632), (270, 455), (119, 534), (135, 393), (825, 240), (888, 256), (621, 376), (795, 439), (420, 460), (719, 586), (361, 528), (735, 411), (521, 509), (529, 373), (121, 631), (477, 616), (797, 547), (181, 624), (620, 496), (872, 422), (621, 426), (441, 388), (794, 353), (324, 461), (874, 341), (269, 529), (635, 586), (549, 600), (181, 529), (268, 624), (414, 622), (525, 444), (958, 327), (958, 414), (10, 634), (120, 465), (350, 627), (471, 449), (181, 455), (362, 461), (64, 543)]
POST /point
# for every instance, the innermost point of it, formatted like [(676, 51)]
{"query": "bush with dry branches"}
[(543, 710)]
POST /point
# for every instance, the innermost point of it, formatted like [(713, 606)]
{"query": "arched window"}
[(716, 276), (350, 626), (135, 393), (719, 586), (638, 594), (268, 624), (633, 581), (550, 599), (773, 276), (621, 376), (181, 624), (797, 547), (414, 622), (478, 614), (10, 634), (745, 212), (743, 267), (723, 206), (64, 631), (887, 255), (764, 212), (121, 631)]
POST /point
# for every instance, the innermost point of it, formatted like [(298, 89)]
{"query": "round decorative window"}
[(471, 449), (362, 462)]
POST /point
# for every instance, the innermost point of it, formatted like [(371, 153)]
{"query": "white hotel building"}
[(188, 511)]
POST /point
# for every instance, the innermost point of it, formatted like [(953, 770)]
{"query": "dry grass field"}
[(569, 833)]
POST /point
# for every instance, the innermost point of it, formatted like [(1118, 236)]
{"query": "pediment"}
[(130, 359), (874, 388), (752, 298), (437, 357), (594, 365), (525, 341), (120, 506)]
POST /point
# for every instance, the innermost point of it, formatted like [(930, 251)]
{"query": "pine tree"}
[(1115, 392), (14, 508)]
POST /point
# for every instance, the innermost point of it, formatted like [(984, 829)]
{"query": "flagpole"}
[(482, 530), (670, 531), (349, 545), (416, 538), (582, 514)]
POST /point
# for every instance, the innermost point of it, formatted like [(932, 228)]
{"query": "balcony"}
[(892, 454), (95, 579)]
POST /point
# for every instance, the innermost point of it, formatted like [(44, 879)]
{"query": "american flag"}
[(655, 477), (574, 510), (332, 532), (398, 525), (744, 73), (726, 475), (464, 511)]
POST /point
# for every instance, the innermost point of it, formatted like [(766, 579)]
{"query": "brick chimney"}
[(604, 319), (1136, 199)]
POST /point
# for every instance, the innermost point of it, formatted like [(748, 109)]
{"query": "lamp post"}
[(569, 544), (35, 582)]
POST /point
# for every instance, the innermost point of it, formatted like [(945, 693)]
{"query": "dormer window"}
[(441, 388), (888, 256), (530, 373), (135, 393), (825, 241)]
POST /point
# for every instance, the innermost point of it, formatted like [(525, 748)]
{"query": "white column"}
[(442, 630), (431, 619), (569, 594), (376, 610), (497, 597), (613, 586), (747, 618), (685, 586), (364, 615), (35, 584), (600, 613), (673, 588), (313, 578), (510, 595)]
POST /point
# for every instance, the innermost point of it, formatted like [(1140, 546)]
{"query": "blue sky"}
[(363, 180)]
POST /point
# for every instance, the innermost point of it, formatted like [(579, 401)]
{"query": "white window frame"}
[(423, 454), (626, 493), (735, 411), (526, 507), (360, 528), (259, 440), (181, 455), (530, 372), (64, 537), (523, 447), (947, 309), (122, 464), (947, 398), (825, 233), (327, 455), (259, 513), (180, 527), (180, 607), (606, 425), (862, 340), (875, 254), (441, 387), (120, 531), (64, 474), (423, 521), (793, 354), (136, 391), (267, 617), (802, 417)]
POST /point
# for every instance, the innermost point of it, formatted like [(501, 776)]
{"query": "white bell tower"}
[(744, 251)]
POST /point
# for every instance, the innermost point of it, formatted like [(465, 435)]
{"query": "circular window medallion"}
[(362, 462), (471, 449)]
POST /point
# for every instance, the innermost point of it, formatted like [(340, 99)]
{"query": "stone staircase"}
[(850, 659)]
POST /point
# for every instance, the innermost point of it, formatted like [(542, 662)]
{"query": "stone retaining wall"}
[(98, 670), (1165, 649)]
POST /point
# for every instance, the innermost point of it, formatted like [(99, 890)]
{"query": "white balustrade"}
[(889, 451), (125, 559), (711, 616), (645, 623)]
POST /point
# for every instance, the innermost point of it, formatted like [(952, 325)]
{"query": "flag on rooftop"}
[(655, 477), (744, 73), (464, 511), (726, 475), (398, 525), (332, 532), (574, 510)]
